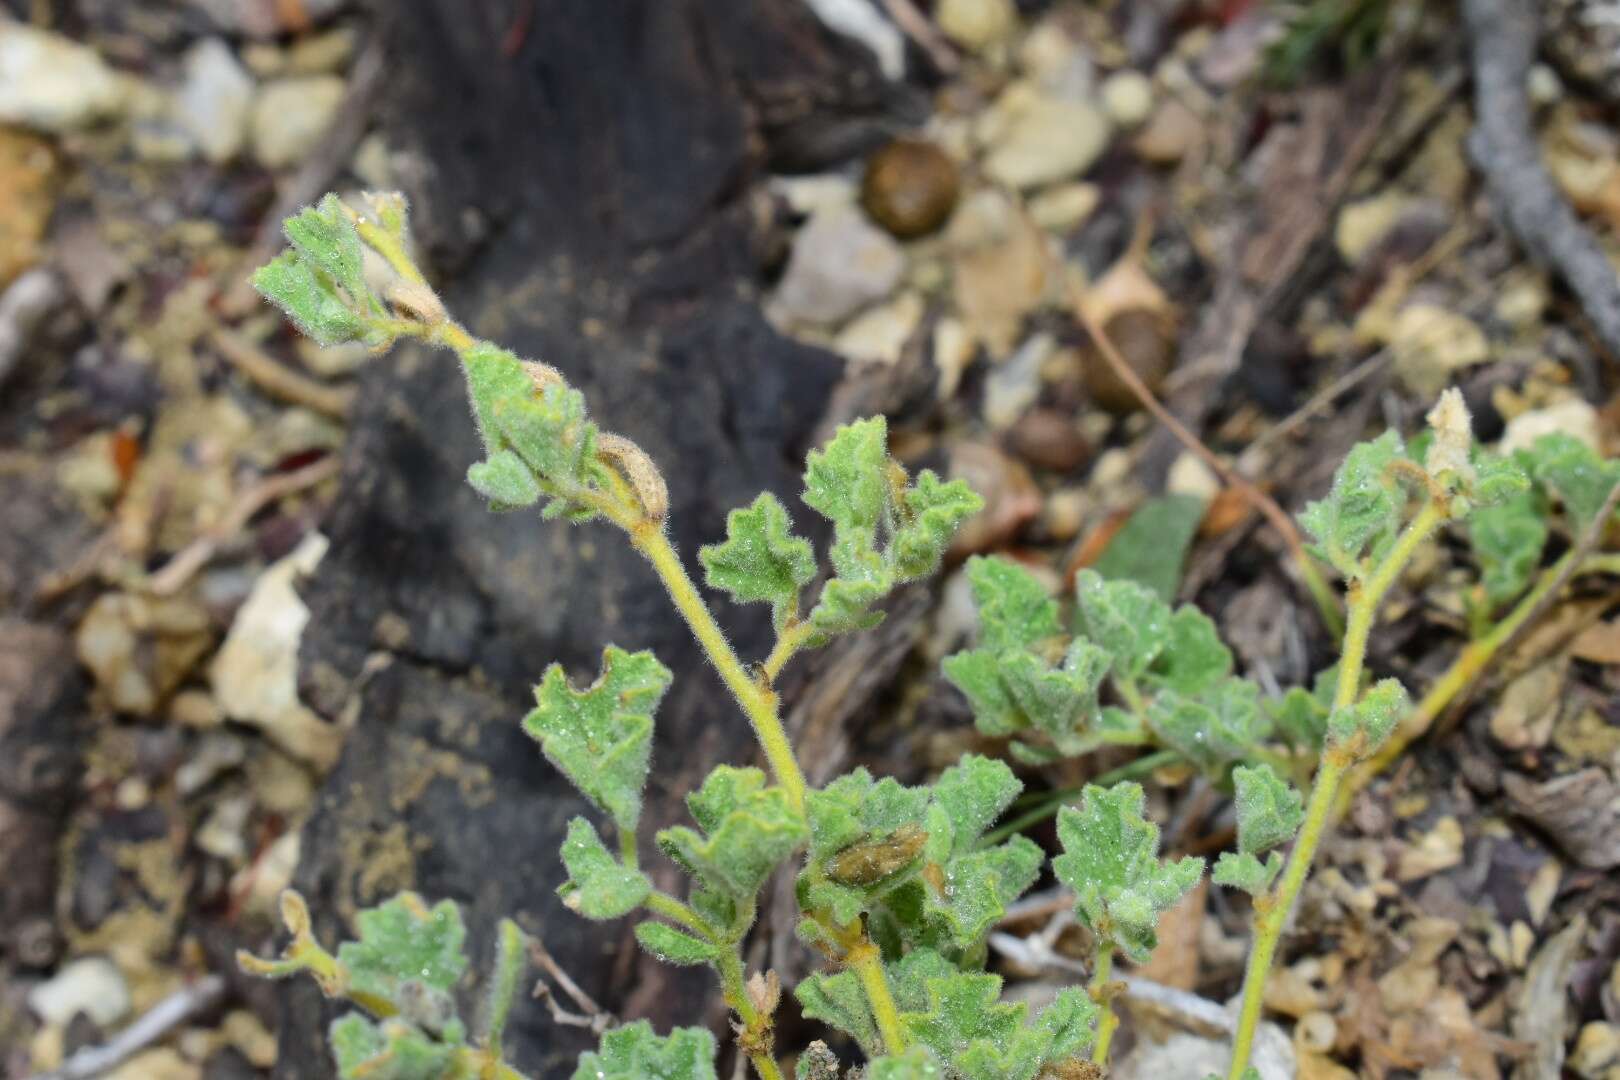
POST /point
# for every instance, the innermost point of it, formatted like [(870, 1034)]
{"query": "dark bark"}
[(591, 192)]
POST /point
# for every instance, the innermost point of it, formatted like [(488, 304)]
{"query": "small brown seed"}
[(910, 187), (871, 861)]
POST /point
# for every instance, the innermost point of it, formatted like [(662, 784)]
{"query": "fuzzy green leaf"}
[(598, 886), (1111, 861), (672, 946), (1152, 546), (1125, 618), (854, 807), (310, 299), (974, 793), (1508, 540), (1496, 480), (405, 941), (493, 375), (1212, 730), (505, 481), (326, 236), (761, 560), (979, 1037), (1363, 727), (750, 829), (915, 1064), (550, 432), (930, 511), (838, 1001), (975, 887), (1015, 609), (364, 1049), (863, 579), (1058, 701), (1269, 809), (601, 737), (633, 1052), (1362, 511), (977, 673), (1573, 472), (1195, 660), (847, 482), (1241, 870)]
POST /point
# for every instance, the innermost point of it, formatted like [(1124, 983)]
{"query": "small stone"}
[(215, 103), (953, 352), (92, 986), (1189, 475), (223, 833), (1049, 439), (163, 1063), (1543, 85), (1364, 223), (1431, 344), (880, 334), (1065, 206), (976, 24), (1065, 512), (53, 84), (321, 54), (1573, 417), (840, 264), (139, 648), (218, 753), (1597, 1051), (1015, 385), (910, 187), (291, 116), (1439, 849), (1146, 340), (1011, 499), (247, 1033), (195, 709), (1048, 140), (1172, 130), (255, 672), (1128, 97), (28, 194), (1529, 707), (268, 18), (810, 195), (1000, 269)]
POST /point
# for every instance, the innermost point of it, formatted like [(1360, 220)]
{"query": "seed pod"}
[(871, 861), (631, 462), (418, 301)]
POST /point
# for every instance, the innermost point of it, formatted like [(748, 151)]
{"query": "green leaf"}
[(977, 673), (493, 375), (750, 829), (404, 943), (601, 737), (1573, 472), (1363, 727), (1362, 511), (633, 1052), (761, 560), (838, 1001), (598, 886), (979, 1037), (854, 807), (1269, 810), (1300, 716), (505, 481), (973, 793), (846, 600), (1125, 618), (915, 1064), (1111, 861), (1015, 609), (310, 300), (1212, 730), (1195, 660), (847, 482), (1241, 870), (550, 432), (386, 1050), (1152, 546), (326, 236), (673, 946), (1497, 480), (1507, 540), (930, 512), (1058, 701), (973, 889)]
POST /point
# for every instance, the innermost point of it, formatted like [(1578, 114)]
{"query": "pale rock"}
[(215, 103), (1016, 384), (1184, 1056), (1431, 344), (1529, 707), (139, 648), (1065, 512), (879, 335), (373, 163), (1190, 476), (953, 352), (291, 115), (1011, 498), (53, 84), (1366, 222), (322, 54), (1064, 206), (1171, 132), (840, 264), (247, 1033), (255, 672), (810, 195), (223, 833), (163, 1063), (1597, 1051), (976, 24), (1543, 85), (267, 18), (216, 754), (88, 472), (1439, 849), (1128, 97), (1522, 299), (262, 882), (1000, 268), (1048, 140), (1057, 64), (93, 986), (1573, 417)]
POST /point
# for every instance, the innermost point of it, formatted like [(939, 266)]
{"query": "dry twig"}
[(163, 1017), (591, 1015), (278, 380)]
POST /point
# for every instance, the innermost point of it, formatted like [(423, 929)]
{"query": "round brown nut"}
[(910, 187)]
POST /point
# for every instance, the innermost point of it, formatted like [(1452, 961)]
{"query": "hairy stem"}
[(675, 911), (1272, 909), (788, 642), (758, 702), (1101, 972), (867, 963), (755, 1038)]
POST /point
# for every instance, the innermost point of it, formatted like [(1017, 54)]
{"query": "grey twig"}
[(1502, 36), (163, 1017)]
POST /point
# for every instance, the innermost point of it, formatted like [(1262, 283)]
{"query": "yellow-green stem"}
[(1272, 909), (755, 1027), (867, 963), (675, 911), (1327, 601), (1101, 972), (391, 248), (758, 702), (788, 642)]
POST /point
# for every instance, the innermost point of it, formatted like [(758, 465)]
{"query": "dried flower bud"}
[(874, 860), (1453, 438), (416, 300), (632, 463), (543, 375)]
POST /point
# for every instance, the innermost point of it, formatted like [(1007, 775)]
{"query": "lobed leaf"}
[(505, 481), (1362, 511), (325, 235), (750, 829), (929, 512), (1014, 608), (1111, 861), (1573, 472), (838, 1001), (673, 946), (404, 945), (1508, 539), (601, 737), (1125, 618), (364, 1049), (760, 559), (967, 1026), (915, 1063), (310, 299), (634, 1052), (846, 481), (1363, 727), (1269, 809), (1214, 729), (598, 885), (1241, 870)]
